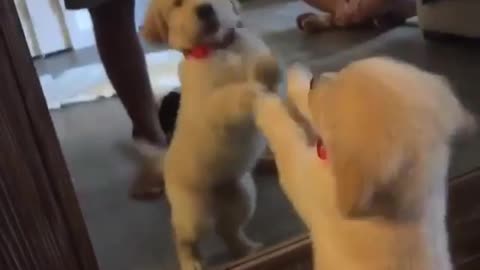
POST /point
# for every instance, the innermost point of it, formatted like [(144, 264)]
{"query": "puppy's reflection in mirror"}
[(385, 128)]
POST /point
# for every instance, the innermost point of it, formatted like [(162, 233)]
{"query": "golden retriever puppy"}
[(216, 142), (363, 157)]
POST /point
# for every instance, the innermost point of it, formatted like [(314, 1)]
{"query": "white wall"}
[(49, 27), (48, 24), (80, 26), (27, 27), (43, 25), (140, 9)]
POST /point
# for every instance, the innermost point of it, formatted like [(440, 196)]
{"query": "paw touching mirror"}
[(387, 128)]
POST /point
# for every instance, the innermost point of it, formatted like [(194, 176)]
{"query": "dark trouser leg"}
[(122, 56), (124, 62)]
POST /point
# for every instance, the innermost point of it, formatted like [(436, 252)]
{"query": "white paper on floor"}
[(87, 83)]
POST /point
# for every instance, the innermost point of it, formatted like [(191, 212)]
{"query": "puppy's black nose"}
[(205, 12)]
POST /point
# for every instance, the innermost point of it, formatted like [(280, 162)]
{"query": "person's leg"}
[(123, 58)]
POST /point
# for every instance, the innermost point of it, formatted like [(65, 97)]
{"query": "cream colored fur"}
[(379, 200), (216, 143)]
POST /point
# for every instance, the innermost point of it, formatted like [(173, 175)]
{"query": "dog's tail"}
[(267, 71)]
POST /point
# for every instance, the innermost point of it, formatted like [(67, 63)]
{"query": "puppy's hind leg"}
[(188, 221), (235, 204)]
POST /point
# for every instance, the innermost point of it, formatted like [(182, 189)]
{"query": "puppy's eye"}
[(178, 3)]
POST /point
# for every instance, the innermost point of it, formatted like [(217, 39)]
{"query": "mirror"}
[(130, 229)]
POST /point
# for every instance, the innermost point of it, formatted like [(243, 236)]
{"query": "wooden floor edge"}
[(464, 176)]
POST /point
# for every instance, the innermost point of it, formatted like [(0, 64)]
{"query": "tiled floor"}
[(132, 235)]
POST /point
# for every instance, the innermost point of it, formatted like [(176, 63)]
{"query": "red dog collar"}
[(321, 150), (204, 51), (199, 52)]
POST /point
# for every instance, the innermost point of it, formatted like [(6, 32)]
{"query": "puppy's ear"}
[(154, 28), (470, 123), (355, 126), (349, 156), (453, 118), (466, 125), (356, 179)]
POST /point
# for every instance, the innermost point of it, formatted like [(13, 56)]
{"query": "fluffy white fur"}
[(216, 143), (379, 200)]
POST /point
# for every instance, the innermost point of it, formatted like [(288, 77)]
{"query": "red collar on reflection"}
[(321, 150)]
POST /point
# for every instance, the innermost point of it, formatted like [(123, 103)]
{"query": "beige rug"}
[(88, 83)]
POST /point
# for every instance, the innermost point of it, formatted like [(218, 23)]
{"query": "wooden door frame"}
[(41, 225)]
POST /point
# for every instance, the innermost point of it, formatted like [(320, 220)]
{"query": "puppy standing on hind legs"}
[(213, 186), (372, 188), (216, 143)]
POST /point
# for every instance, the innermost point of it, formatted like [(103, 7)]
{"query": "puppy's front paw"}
[(252, 247), (245, 247), (267, 71), (267, 107), (299, 80)]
